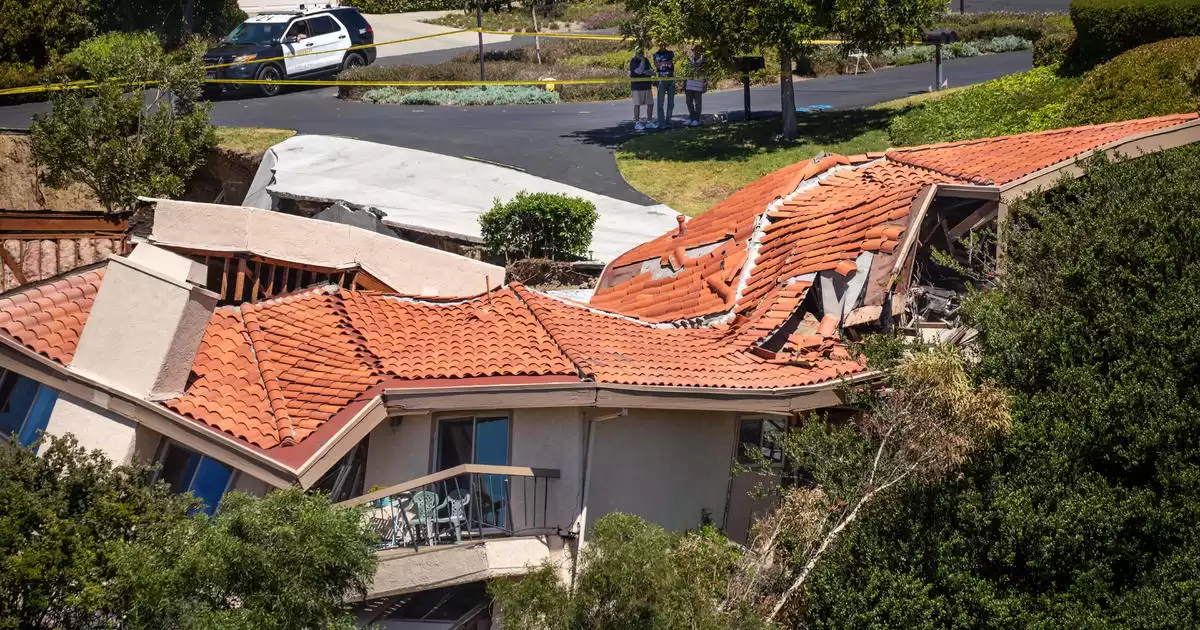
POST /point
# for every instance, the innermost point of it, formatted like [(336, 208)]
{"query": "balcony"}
[(464, 524)]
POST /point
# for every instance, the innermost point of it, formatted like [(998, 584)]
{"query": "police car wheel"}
[(269, 73), (353, 60)]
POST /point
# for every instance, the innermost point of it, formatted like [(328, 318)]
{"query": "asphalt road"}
[(571, 143)]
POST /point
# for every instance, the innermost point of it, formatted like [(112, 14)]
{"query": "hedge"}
[(1151, 80), (1026, 101), (402, 6), (1107, 28), (539, 225)]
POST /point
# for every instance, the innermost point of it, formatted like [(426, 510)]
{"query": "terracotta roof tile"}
[(1002, 160), (48, 318)]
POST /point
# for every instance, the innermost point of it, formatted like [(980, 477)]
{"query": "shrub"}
[(1151, 80), (400, 6), (112, 55), (494, 95), (977, 26), (1053, 48), (1006, 43), (1026, 101), (15, 75), (1107, 28), (604, 19), (539, 225)]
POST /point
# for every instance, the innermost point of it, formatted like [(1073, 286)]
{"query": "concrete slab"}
[(435, 192)]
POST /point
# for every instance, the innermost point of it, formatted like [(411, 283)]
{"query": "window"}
[(25, 407), (763, 435), (322, 25), (299, 29), (185, 470), (478, 440), (345, 480)]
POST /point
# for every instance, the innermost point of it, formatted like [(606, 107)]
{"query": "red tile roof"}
[(48, 317), (274, 372), (1002, 160), (854, 208)]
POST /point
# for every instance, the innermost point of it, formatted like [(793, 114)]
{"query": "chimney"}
[(146, 323)]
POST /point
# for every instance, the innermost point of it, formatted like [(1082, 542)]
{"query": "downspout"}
[(585, 483)]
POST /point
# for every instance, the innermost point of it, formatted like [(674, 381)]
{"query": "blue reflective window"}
[(188, 471), (25, 407)]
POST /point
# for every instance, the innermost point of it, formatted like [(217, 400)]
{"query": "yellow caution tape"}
[(318, 82)]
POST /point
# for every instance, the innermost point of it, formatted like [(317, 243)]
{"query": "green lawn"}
[(251, 140), (690, 169)]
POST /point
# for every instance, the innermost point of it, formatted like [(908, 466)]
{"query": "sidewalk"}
[(393, 26)]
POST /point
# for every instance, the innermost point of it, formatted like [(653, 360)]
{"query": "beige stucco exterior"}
[(668, 467), (146, 324), (398, 451), (96, 428), (406, 267)]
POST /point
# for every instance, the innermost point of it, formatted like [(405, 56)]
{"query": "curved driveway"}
[(570, 143)]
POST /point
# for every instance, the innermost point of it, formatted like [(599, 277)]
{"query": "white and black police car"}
[(313, 41)]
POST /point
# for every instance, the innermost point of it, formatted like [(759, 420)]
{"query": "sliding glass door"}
[(478, 440)]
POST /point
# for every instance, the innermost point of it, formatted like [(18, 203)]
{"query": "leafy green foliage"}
[(114, 141), (1026, 101), (539, 225), (62, 517), (492, 95), (633, 575), (88, 545), (288, 560), (1082, 518), (40, 31), (1053, 48), (1107, 28), (400, 6), (976, 26), (1151, 80)]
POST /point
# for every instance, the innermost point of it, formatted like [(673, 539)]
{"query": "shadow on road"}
[(733, 142)]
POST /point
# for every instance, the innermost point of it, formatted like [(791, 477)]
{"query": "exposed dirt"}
[(21, 187), (224, 178), (544, 274)]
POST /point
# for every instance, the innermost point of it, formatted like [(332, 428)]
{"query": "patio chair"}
[(425, 506), (457, 500)]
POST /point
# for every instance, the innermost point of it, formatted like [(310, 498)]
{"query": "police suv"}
[(313, 41)]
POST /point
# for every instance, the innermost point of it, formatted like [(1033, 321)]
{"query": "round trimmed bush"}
[(1109, 27), (539, 225), (1151, 80)]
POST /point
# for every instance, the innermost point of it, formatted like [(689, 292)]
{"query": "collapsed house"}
[(486, 433)]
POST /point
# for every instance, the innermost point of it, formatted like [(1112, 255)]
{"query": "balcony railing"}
[(467, 502)]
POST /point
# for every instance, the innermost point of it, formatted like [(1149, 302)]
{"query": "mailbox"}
[(940, 37), (746, 65)]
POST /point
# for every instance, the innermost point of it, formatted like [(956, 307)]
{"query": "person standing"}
[(695, 87), (664, 64), (639, 68)]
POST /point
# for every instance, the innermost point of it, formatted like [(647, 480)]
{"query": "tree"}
[(1085, 516), (117, 140), (923, 424), (88, 545), (728, 28), (632, 575)]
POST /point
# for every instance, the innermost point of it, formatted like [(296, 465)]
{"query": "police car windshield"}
[(261, 33)]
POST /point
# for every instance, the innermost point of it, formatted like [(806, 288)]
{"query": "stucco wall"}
[(665, 466), (94, 427), (549, 438), (250, 485), (398, 454)]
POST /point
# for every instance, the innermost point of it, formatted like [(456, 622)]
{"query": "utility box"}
[(746, 65), (940, 37)]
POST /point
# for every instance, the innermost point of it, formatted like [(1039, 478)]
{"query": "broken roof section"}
[(836, 220), (272, 373)]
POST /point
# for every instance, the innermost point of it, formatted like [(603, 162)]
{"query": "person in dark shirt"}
[(664, 65), (639, 68)]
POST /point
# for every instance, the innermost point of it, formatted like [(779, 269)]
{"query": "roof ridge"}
[(518, 290), (269, 375)]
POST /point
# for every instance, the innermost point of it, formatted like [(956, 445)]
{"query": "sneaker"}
[(637, 126), (693, 123), (651, 125)]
